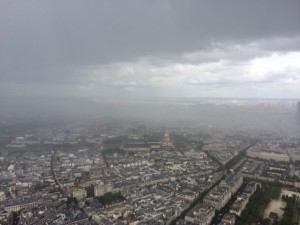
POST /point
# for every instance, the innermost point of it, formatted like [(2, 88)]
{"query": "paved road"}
[(219, 215), (54, 174)]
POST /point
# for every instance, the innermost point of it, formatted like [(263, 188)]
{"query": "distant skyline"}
[(150, 49)]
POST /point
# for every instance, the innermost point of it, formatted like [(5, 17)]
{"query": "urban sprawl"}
[(140, 176)]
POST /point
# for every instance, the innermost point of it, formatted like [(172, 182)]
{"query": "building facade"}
[(79, 194), (166, 143)]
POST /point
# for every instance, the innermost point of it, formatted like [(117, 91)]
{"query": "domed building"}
[(166, 143)]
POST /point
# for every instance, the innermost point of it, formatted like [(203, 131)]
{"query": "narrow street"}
[(53, 172), (219, 215)]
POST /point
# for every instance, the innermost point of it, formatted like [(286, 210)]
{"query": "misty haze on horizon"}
[(234, 115)]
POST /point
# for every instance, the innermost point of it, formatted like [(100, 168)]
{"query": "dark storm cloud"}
[(147, 47)]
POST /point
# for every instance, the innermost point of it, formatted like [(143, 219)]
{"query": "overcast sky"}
[(163, 48)]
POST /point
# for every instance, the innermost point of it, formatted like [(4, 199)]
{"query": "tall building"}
[(217, 197), (2, 196), (228, 219), (266, 154), (166, 143), (200, 214), (101, 188), (233, 182), (79, 194)]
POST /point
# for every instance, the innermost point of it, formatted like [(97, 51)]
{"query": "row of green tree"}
[(257, 205), (110, 197), (291, 211), (105, 199), (111, 150), (116, 140)]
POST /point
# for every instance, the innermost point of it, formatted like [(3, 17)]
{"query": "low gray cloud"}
[(148, 47)]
